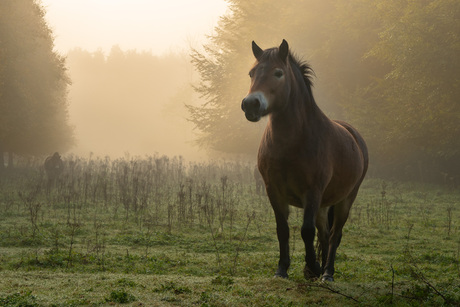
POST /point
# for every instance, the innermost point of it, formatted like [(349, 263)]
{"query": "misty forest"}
[(155, 199)]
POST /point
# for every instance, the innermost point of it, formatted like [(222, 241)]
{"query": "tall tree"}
[(416, 103), (33, 83)]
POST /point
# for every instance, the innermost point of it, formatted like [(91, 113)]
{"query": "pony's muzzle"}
[(254, 106)]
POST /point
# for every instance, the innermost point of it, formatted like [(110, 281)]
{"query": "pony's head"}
[(269, 81), (277, 79)]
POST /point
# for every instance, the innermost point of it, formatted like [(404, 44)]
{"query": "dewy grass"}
[(158, 231)]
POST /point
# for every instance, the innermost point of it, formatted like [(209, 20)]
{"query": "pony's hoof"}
[(312, 273), (327, 278), (281, 273)]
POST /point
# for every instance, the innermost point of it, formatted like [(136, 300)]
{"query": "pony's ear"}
[(256, 50), (284, 50)]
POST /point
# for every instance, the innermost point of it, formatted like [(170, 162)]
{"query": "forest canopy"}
[(390, 68)]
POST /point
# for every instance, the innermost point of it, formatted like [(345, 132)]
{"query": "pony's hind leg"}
[(323, 227), (341, 211)]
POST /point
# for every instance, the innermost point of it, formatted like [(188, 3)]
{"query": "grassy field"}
[(161, 232)]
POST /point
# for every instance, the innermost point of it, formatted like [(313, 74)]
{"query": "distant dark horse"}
[(53, 168), (306, 159)]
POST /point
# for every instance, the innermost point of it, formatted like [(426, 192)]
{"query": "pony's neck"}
[(301, 117)]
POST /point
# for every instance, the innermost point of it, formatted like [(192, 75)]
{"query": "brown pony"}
[(306, 159)]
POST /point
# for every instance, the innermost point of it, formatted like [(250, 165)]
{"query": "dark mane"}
[(304, 68)]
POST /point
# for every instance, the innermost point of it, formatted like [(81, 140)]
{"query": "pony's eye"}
[(279, 73), (251, 73)]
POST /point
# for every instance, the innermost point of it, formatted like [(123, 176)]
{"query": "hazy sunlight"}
[(159, 26)]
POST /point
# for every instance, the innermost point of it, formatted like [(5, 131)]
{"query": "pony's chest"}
[(288, 158), (283, 171), (291, 171)]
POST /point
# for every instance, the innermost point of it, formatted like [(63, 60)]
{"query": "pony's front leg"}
[(308, 231), (282, 230), (281, 210)]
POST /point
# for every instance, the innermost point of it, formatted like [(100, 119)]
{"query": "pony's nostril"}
[(257, 104), (251, 106)]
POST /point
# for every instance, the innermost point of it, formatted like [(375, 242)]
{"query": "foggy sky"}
[(131, 102), (159, 26), (116, 107)]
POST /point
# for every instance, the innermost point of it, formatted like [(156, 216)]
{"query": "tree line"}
[(390, 68), (123, 101)]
